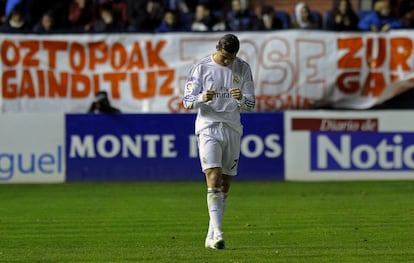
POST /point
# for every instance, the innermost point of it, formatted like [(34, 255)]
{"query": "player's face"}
[(224, 58)]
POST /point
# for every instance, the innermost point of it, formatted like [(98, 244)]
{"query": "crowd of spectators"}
[(50, 16)]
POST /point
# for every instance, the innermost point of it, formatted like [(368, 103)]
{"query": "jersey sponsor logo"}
[(223, 93), (384, 151)]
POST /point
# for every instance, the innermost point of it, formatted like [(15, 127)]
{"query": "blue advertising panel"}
[(262, 152), (162, 147)]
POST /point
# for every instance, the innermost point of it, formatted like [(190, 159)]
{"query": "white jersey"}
[(207, 74)]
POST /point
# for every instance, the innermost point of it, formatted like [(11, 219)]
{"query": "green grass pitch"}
[(167, 222)]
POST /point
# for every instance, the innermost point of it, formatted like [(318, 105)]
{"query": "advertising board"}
[(32, 148), (349, 145), (163, 147)]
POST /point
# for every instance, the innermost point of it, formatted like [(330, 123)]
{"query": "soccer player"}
[(219, 86)]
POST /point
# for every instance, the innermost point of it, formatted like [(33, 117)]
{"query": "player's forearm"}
[(248, 103), (192, 101)]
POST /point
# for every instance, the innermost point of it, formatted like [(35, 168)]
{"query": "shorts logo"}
[(236, 79), (204, 160)]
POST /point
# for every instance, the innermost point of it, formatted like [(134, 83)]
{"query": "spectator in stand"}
[(217, 6), (266, 19), (303, 18), (379, 19), (191, 5), (119, 11), (81, 15), (218, 13), (169, 23), (60, 12), (343, 17), (203, 19), (3, 17), (46, 23), (406, 13), (35, 10), (239, 17), (11, 4), (107, 22), (16, 22), (135, 8), (183, 14), (176, 5), (145, 15), (218, 10)]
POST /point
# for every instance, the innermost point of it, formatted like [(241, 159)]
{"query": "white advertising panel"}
[(349, 145), (32, 148)]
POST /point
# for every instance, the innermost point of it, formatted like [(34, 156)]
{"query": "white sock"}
[(215, 210), (210, 232), (225, 195)]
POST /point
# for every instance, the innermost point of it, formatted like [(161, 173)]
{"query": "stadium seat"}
[(284, 17), (185, 20), (317, 16), (326, 17), (362, 13)]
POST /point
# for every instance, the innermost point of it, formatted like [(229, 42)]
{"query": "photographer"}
[(101, 104)]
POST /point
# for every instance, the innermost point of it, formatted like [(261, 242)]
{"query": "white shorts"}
[(219, 147)]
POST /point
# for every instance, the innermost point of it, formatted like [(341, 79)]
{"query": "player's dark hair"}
[(229, 43)]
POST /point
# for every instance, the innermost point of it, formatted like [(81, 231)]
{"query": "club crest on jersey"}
[(236, 79)]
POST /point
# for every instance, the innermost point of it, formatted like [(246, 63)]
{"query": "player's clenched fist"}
[(208, 95), (236, 93)]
